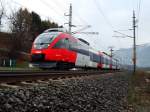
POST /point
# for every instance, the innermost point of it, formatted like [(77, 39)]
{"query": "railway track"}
[(21, 78)]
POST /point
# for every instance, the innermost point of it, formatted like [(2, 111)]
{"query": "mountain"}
[(143, 55)]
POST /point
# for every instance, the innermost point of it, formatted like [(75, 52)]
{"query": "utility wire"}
[(103, 14), (58, 4), (39, 13), (18, 3), (78, 19), (75, 18), (32, 10), (138, 17), (82, 20), (139, 9), (51, 7)]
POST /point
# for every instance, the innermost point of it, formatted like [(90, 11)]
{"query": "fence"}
[(7, 62)]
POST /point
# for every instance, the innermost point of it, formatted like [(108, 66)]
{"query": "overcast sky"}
[(104, 16)]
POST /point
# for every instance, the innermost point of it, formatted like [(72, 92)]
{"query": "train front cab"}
[(46, 54)]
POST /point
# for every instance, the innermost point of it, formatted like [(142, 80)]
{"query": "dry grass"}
[(139, 91)]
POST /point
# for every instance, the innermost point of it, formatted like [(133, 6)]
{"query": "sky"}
[(104, 16)]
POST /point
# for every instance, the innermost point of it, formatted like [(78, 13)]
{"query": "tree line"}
[(24, 27)]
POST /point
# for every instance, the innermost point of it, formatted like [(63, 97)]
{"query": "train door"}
[(68, 55), (110, 62)]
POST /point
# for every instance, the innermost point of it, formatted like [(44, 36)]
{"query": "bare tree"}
[(2, 12), (20, 26)]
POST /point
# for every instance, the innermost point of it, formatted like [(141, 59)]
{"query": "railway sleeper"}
[(28, 83), (8, 85)]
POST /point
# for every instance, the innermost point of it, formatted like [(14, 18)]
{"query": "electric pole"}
[(111, 51), (134, 42), (70, 25), (70, 19)]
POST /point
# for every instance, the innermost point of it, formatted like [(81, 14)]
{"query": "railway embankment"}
[(139, 91), (104, 93)]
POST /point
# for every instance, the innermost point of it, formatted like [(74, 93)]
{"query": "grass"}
[(22, 65), (16, 68), (139, 91)]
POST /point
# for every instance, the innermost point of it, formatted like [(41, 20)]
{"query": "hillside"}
[(143, 55)]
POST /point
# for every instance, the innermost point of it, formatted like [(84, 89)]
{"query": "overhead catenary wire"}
[(57, 4), (77, 20), (103, 14), (82, 20), (139, 9), (48, 17), (52, 8), (18, 3), (133, 7), (138, 16)]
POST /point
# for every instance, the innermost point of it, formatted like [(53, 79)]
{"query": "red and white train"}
[(57, 49)]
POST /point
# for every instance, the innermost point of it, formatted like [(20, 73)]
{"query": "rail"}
[(33, 76)]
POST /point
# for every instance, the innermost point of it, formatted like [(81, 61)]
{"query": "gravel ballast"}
[(105, 93)]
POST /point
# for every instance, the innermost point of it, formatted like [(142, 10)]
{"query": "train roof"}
[(56, 30), (84, 41), (63, 30), (106, 54)]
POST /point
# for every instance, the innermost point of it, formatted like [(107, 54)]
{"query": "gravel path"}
[(94, 94)]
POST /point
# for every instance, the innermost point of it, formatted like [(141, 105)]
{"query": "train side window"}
[(96, 58), (66, 43), (114, 63), (111, 61), (106, 61), (102, 59), (59, 44), (63, 43), (72, 45)]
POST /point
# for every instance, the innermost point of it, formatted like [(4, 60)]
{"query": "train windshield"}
[(43, 40)]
